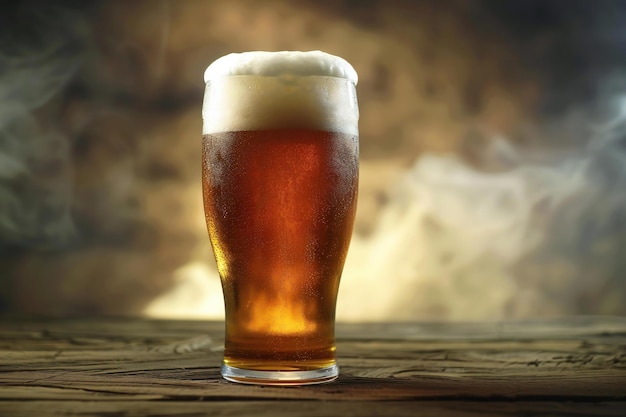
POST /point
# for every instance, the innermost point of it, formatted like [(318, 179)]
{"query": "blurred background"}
[(493, 156)]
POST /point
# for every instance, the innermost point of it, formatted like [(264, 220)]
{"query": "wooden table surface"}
[(135, 367)]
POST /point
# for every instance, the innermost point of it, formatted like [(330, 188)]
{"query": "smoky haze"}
[(540, 234), (41, 50), (492, 170)]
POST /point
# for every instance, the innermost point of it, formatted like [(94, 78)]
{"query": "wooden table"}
[(134, 367)]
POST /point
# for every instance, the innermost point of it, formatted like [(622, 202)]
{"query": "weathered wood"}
[(274, 408), (152, 367)]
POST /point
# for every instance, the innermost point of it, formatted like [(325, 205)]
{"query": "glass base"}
[(246, 376)]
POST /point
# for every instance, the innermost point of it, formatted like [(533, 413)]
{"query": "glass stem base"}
[(247, 376)]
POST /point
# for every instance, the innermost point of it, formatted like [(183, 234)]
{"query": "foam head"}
[(280, 90)]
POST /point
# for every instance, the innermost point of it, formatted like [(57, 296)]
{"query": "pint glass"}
[(280, 175)]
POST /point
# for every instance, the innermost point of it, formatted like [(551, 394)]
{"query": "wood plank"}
[(273, 408), (99, 365)]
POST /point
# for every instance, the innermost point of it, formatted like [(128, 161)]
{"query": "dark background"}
[(492, 154)]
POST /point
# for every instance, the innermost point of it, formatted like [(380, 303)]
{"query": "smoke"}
[(534, 232), (41, 49)]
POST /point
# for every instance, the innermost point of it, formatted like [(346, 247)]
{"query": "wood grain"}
[(116, 366)]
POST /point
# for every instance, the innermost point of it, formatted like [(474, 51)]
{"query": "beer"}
[(280, 176)]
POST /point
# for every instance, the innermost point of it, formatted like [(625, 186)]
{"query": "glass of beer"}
[(280, 174)]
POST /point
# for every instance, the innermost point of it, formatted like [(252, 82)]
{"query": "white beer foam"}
[(280, 90), (274, 64)]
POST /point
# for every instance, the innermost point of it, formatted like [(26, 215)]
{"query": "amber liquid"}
[(280, 207)]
